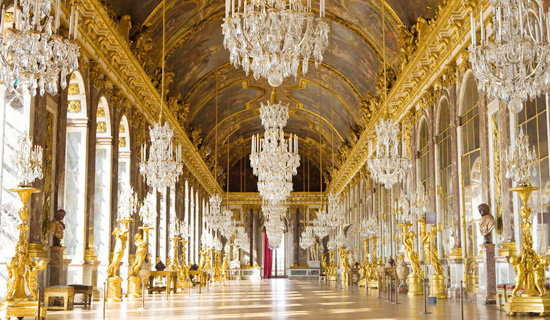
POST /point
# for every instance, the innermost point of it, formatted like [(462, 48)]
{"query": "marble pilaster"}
[(488, 296)]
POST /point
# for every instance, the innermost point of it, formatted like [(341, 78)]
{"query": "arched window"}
[(470, 168), (532, 120), (75, 171), (423, 158), (445, 185), (102, 195)]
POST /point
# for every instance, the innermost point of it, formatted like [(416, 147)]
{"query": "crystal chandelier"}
[(211, 218), (272, 37), (128, 203), (274, 159), (385, 162), (33, 54), (274, 223), (147, 211), (334, 216), (307, 238), (161, 169), (320, 225), (242, 240), (521, 161), (515, 66), (227, 224), (27, 161), (179, 229), (420, 201), (369, 227), (207, 239)]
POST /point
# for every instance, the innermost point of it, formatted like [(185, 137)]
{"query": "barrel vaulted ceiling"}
[(323, 104)]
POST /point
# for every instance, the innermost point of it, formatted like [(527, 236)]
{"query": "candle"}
[(36, 14), (521, 19), (15, 14), (232, 8), (57, 9), (2, 20), (482, 26), (71, 22), (75, 24), (541, 19), (226, 8), (473, 21)]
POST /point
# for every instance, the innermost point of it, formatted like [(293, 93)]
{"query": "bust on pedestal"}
[(486, 226), (58, 270)]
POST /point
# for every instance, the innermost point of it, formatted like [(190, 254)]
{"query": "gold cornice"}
[(296, 198), (433, 53), (101, 41)]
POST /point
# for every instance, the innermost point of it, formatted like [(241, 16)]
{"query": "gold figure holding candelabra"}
[(345, 267), (529, 266), (134, 281), (437, 279), (324, 264), (183, 271), (225, 266), (372, 271), (217, 268), (22, 270), (364, 267), (332, 267), (114, 282), (413, 279)]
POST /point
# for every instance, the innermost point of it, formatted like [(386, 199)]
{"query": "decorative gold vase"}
[(529, 266)]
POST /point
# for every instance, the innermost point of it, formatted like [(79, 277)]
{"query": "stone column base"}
[(114, 289)]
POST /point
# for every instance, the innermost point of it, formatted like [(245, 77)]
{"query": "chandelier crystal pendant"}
[(321, 227), (385, 162), (164, 166), (33, 54), (274, 223), (515, 66), (272, 38), (147, 211), (521, 161), (27, 161), (335, 216)]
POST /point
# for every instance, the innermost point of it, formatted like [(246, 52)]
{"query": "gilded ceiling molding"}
[(433, 53), (253, 200), (101, 42)]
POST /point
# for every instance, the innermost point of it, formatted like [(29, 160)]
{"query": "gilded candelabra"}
[(413, 279), (345, 267), (183, 271), (22, 270), (365, 264), (529, 266), (175, 263), (134, 281), (437, 279), (217, 267), (114, 282), (332, 267), (373, 266)]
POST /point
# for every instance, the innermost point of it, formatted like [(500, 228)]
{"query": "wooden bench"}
[(86, 291), (64, 292)]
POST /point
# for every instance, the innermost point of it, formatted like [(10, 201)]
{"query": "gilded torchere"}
[(413, 279), (373, 267), (22, 270), (332, 267), (183, 271), (365, 265), (175, 263), (134, 281), (217, 267), (529, 267), (114, 282), (345, 267), (437, 279)]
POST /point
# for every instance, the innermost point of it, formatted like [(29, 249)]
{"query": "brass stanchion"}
[(425, 297), (104, 298), (461, 301), (142, 294), (396, 291)]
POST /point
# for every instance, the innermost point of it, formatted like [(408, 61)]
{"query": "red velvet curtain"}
[(268, 258)]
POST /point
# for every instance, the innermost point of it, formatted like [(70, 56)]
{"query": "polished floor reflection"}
[(280, 299)]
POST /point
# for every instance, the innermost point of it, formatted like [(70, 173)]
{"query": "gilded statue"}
[(141, 253), (324, 265), (57, 227), (143, 43), (407, 40), (345, 265), (520, 274), (487, 223), (202, 262), (225, 266), (32, 283), (122, 237), (408, 242), (369, 106), (123, 27), (430, 251)]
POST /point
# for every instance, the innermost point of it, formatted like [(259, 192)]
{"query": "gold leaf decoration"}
[(122, 142), (74, 106), (74, 88), (100, 112), (121, 129), (101, 127)]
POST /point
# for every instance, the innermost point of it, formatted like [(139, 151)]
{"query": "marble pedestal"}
[(489, 296), (57, 266), (90, 276)]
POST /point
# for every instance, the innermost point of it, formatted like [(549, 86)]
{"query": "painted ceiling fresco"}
[(195, 54)]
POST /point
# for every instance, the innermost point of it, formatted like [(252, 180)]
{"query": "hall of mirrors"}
[(208, 160)]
